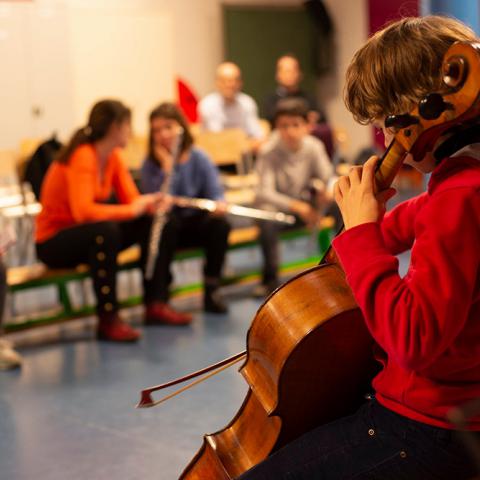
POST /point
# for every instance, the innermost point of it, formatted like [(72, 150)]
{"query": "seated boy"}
[(291, 165)]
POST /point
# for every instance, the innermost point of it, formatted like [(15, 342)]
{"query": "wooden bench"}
[(38, 275)]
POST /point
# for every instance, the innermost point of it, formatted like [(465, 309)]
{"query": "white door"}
[(35, 80), (15, 115)]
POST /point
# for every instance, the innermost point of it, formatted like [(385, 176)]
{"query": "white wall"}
[(189, 44), (14, 109), (351, 23), (59, 57), (126, 55)]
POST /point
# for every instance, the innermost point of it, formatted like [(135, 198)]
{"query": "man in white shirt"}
[(228, 107)]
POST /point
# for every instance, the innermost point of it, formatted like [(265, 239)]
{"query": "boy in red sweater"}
[(426, 323)]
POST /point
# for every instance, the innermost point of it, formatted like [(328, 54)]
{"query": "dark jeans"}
[(270, 246), (374, 443), (97, 244)]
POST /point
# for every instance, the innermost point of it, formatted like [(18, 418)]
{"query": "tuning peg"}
[(401, 121), (432, 106)]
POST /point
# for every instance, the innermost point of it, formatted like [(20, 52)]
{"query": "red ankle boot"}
[(113, 329), (160, 313)]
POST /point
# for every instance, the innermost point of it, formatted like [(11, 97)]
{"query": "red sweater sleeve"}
[(398, 225), (416, 318), (82, 178)]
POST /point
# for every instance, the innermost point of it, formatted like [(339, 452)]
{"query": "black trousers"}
[(198, 230), (98, 244)]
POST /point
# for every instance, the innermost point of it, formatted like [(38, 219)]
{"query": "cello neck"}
[(387, 169), (389, 165)]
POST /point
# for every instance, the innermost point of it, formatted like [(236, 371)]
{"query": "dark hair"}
[(291, 107), (102, 116), (170, 111)]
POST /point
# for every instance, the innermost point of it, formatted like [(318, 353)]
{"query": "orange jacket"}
[(74, 193)]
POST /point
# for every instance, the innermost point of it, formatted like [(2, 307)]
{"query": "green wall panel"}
[(256, 36)]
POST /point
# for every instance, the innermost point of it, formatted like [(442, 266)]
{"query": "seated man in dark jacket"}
[(289, 76)]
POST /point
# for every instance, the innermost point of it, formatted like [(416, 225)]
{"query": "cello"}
[(309, 354)]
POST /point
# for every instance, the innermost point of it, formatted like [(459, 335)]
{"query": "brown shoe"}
[(160, 313), (112, 328)]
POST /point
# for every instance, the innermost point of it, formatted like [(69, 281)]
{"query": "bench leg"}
[(64, 298)]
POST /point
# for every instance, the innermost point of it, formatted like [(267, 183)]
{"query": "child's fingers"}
[(355, 175), (344, 185), (337, 193), (368, 173)]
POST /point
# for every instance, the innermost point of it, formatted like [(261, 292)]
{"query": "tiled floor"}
[(69, 413)]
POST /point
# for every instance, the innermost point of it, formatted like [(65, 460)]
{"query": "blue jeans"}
[(374, 443)]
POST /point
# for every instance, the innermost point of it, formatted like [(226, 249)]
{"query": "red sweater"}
[(427, 323), (74, 193)]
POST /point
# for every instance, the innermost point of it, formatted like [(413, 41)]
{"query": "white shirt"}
[(216, 114)]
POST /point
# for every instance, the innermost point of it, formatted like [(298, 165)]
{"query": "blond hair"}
[(399, 65)]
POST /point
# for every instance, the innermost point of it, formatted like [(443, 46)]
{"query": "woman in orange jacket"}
[(79, 224)]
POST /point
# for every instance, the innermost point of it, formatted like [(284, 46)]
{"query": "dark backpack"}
[(39, 162)]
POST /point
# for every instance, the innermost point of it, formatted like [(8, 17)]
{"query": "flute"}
[(160, 217), (240, 210)]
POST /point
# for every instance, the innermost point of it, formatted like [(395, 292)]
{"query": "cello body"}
[(317, 370)]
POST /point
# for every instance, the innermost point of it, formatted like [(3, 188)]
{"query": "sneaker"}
[(9, 358), (112, 328), (161, 313), (213, 301)]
